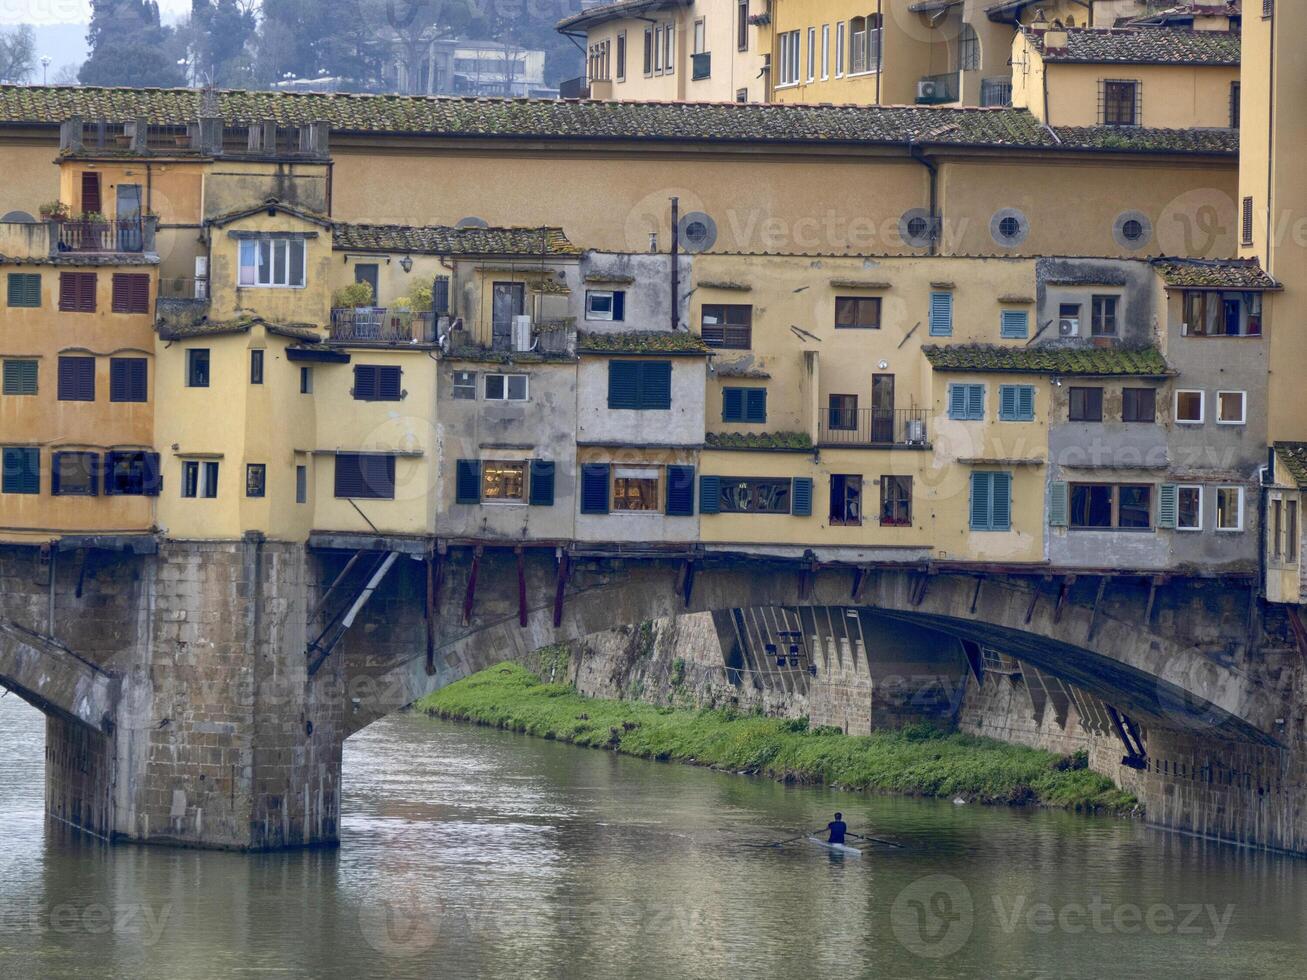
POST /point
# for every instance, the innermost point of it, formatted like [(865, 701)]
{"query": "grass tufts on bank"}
[(916, 761)]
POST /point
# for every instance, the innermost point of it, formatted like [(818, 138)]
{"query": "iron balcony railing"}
[(183, 288), (874, 427), (117, 235), (378, 325)]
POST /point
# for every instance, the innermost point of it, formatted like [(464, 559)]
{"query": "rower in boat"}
[(836, 829)]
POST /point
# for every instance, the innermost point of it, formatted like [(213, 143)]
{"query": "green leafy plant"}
[(417, 300), (56, 211), (355, 294)]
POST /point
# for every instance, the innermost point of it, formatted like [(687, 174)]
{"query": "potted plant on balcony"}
[(56, 211), (413, 313)]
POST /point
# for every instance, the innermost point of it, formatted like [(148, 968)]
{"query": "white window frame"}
[(593, 314), (812, 53), (825, 52), (788, 49), (839, 49), (1180, 488), (469, 381), (1239, 491), (506, 380), (1243, 408), (669, 49), (506, 501), (1202, 406), (658, 50), (700, 35), (204, 468), (257, 268)]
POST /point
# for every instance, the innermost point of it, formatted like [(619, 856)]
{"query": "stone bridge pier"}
[(198, 693)]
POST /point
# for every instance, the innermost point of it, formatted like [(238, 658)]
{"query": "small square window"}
[(197, 368), (256, 479), (506, 387), (200, 478), (503, 482), (1104, 316), (605, 304), (1085, 405), (1189, 407), (465, 386), (1231, 407), (635, 488), (1139, 405), (1229, 508), (857, 313)]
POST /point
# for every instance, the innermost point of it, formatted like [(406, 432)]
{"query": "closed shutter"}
[(710, 494), (957, 401), (802, 497), (389, 383), (732, 404), (151, 475), (755, 408), (91, 203), (619, 305), (1007, 403), (623, 384), (981, 492), (656, 385), (21, 470), (542, 483), (1026, 403), (367, 476), (131, 293), (77, 292), (680, 491), (941, 314), (1168, 505), (128, 379), (1015, 324), (440, 295), (1001, 516), (77, 379), (594, 488), (365, 382), (25, 289), (467, 484), (1057, 504), (975, 401), (20, 377)]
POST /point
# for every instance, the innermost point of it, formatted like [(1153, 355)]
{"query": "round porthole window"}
[(914, 228), (1132, 230), (1009, 228), (472, 222), (698, 232)]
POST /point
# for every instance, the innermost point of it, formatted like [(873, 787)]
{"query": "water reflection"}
[(468, 853)]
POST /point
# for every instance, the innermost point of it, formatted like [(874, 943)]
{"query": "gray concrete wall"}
[(682, 425), (648, 294)]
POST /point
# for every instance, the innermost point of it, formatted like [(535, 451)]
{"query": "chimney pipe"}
[(676, 265)]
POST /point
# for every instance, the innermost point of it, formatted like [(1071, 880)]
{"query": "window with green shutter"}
[(1015, 325), (991, 501), (744, 404), (640, 385), (594, 488), (1057, 504), (542, 483), (680, 491), (1016, 403), (710, 494), (1168, 505), (25, 289), (20, 377), (966, 401), (21, 471), (801, 497), (941, 314), (467, 488)]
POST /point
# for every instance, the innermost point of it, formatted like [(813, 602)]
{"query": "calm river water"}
[(472, 853)]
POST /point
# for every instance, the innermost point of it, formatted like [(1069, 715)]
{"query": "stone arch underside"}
[(1180, 659), (56, 680)]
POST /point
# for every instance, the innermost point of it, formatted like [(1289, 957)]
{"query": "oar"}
[(789, 840), (875, 840)]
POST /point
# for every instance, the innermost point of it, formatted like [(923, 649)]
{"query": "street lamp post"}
[(45, 68)]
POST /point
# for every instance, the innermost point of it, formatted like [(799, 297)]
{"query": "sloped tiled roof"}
[(642, 342), (1294, 457), (715, 122), (271, 204), (1205, 274), (213, 328), (446, 240), (1091, 361), (1188, 11), (601, 13), (1143, 46)]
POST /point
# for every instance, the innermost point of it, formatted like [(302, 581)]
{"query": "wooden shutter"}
[(680, 491), (957, 401), (655, 385), (77, 379), (1001, 514), (594, 488), (25, 289), (941, 314), (1057, 504), (131, 293), (801, 498), (128, 379), (368, 476), (91, 202), (981, 493), (542, 483), (710, 494), (1015, 324), (467, 483), (365, 382), (1168, 506), (77, 292), (732, 404), (623, 384), (755, 408), (440, 295), (389, 383), (151, 475), (21, 470), (1007, 403), (1026, 403), (975, 401), (20, 377)]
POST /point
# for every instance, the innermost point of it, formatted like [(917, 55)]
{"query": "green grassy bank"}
[(916, 761)]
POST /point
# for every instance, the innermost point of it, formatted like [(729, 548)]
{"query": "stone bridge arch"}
[(1181, 655), (57, 681)]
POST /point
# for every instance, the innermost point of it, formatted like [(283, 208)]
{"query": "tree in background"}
[(217, 38), (129, 46), (17, 55), (312, 39)]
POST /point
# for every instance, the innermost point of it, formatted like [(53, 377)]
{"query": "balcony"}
[(207, 137), (938, 89), (874, 428), (382, 327), (129, 235)]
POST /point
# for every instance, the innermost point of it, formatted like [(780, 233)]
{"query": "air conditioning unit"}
[(916, 432), (1068, 327), (927, 90), (521, 333)]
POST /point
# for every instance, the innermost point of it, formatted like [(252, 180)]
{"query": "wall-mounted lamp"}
[(406, 263), (884, 365)]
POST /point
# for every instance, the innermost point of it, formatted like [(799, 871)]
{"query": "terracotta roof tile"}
[(1294, 457), (1201, 274), (642, 342), (445, 240), (1142, 46), (1091, 361)]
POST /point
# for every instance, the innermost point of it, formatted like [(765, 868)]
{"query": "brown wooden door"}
[(882, 408)]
